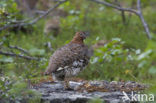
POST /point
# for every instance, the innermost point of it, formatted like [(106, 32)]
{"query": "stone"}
[(83, 91)]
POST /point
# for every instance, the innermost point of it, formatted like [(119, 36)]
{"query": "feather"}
[(70, 59)]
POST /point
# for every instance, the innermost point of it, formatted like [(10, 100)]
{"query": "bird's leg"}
[(66, 84)]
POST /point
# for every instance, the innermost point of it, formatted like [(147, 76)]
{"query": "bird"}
[(52, 25), (69, 60)]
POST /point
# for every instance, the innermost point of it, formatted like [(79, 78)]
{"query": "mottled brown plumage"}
[(52, 26), (70, 59)]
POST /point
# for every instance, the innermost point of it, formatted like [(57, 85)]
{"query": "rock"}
[(82, 92)]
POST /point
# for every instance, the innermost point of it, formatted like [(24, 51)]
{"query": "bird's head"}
[(80, 36)]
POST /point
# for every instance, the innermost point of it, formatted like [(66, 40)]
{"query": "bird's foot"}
[(73, 83), (66, 84)]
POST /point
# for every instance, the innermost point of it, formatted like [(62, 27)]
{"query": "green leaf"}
[(144, 55), (94, 60), (36, 51), (152, 70), (6, 59), (116, 39)]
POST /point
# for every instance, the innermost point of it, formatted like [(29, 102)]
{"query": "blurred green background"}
[(125, 55)]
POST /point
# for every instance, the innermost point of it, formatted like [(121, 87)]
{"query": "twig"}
[(39, 12), (130, 14), (116, 7), (34, 20), (18, 55), (122, 12), (20, 49), (142, 19), (138, 13)]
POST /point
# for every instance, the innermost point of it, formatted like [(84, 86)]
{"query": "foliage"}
[(9, 13), (132, 62), (15, 89), (96, 100)]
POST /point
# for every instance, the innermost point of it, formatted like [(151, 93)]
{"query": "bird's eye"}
[(82, 33)]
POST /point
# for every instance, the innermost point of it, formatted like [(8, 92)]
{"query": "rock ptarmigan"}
[(71, 59)]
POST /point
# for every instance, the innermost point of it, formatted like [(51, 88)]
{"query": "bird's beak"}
[(86, 34)]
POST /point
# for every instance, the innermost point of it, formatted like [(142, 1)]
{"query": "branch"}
[(138, 13), (20, 49), (39, 12), (34, 20), (122, 12), (143, 20), (116, 7), (18, 55)]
